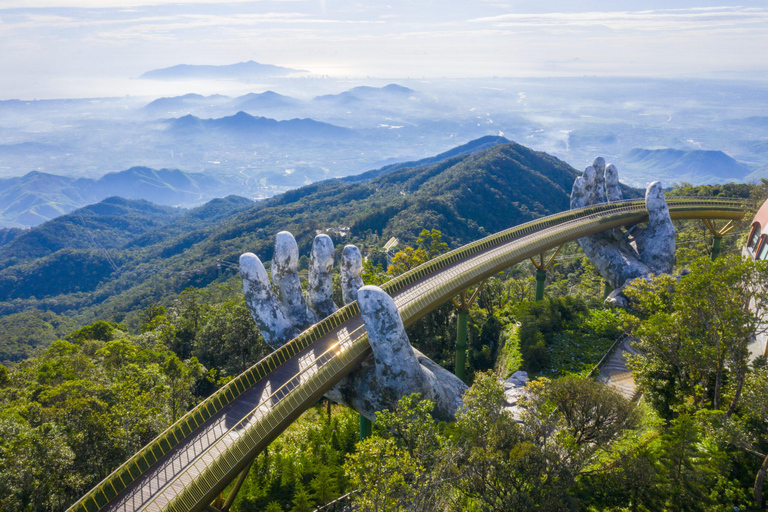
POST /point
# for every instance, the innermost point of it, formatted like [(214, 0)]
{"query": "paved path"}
[(615, 372)]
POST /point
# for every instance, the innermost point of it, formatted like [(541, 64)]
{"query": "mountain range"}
[(36, 197), (247, 126), (675, 165), (361, 98), (241, 71), (114, 258)]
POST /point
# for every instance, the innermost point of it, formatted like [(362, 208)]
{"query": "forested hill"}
[(465, 197)]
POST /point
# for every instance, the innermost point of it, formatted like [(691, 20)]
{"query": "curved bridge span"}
[(193, 461)]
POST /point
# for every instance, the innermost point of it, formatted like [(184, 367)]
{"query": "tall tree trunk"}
[(718, 382), (758, 489), (739, 386)]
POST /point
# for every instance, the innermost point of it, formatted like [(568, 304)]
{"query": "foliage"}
[(77, 411), (303, 465), (404, 466), (561, 335), (486, 460), (693, 341), (23, 333), (428, 245)]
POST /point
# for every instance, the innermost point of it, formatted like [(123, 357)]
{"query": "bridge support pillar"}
[(541, 271), (607, 289), (461, 343), (462, 319), (718, 234), (366, 427), (223, 505), (716, 242), (541, 278)]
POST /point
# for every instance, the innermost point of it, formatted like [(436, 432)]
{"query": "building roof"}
[(762, 216)]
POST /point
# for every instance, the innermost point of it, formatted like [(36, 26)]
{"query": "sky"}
[(70, 48)]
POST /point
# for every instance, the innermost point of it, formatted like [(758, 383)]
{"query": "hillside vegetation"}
[(156, 252)]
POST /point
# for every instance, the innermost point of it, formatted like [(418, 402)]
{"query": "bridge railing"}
[(131, 470), (240, 442), (675, 204)]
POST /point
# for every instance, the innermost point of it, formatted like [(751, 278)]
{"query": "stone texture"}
[(621, 256), (394, 370), (320, 279), (514, 391), (351, 273), (285, 276), (269, 317)]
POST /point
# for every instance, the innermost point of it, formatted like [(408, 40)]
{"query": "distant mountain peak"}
[(245, 124), (239, 71), (470, 148), (367, 91), (693, 165)]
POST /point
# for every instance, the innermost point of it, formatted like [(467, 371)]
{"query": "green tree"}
[(181, 377), (431, 241), (695, 337), (407, 259), (429, 244), (324, 486), (501, 465), (404, 466), (302, 501)]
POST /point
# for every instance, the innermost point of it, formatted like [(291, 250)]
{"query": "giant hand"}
[(394, 370), (619, 255)]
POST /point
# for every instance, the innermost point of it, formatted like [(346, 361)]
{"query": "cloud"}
[(696, 18), (100, 4)]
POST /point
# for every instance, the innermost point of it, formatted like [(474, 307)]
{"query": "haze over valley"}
[(299, 129)]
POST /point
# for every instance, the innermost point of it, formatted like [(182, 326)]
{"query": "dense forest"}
[(695, 441), (90, 382)]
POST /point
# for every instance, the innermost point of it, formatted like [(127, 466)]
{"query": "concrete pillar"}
[(461, 344), (541, 277), (716, 243), (607, 289), (366, 427)]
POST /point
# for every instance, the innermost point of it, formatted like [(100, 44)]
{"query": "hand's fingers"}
[(285, 275), (351, 270), (396, 364), (658, 212), (612, 187), (599, 166), (589, 185), (656, 245), (578, 194), (320, 285), (272, 322)]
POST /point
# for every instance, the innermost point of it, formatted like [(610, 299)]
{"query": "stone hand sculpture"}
[(394, 370), (619, 255)]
